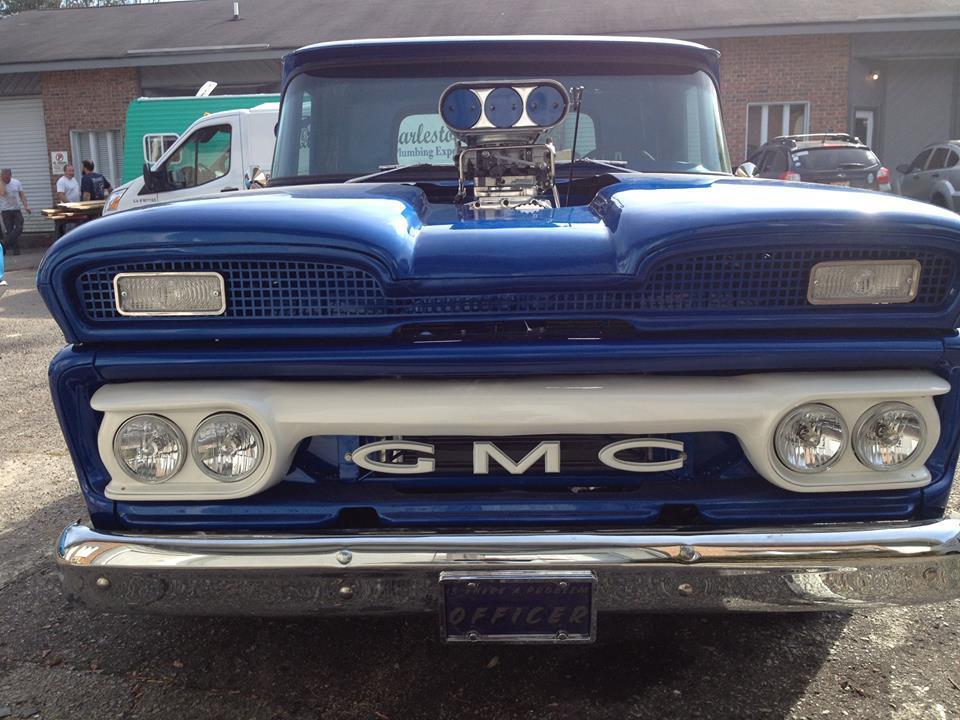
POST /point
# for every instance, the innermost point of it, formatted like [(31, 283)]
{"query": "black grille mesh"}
[(720, 281)]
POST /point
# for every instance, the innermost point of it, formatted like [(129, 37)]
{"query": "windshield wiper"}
[(618, 165), (386, 170)]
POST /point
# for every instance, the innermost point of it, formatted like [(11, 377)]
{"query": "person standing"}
[(3, 191), (93, 185), (12, 204), (68, 189)]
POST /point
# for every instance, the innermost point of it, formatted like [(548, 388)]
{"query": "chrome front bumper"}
[(801, 568)]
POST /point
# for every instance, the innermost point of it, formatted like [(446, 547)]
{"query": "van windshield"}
[(333, 128)]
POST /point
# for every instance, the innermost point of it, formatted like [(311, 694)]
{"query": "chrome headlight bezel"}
[(791, 415), (181, 439), (255, 431), (870, 415)]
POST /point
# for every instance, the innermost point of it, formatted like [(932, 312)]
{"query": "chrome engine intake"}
[(500, 127)]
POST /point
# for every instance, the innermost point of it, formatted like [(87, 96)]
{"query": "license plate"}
[(844, 183), (519, 606)]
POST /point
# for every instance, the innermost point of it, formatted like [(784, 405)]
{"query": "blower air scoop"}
[(499, 128)]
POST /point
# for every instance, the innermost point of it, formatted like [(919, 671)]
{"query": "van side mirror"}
[(148, 178), (747, 169), (255, 178), (154, 181), (903, 169)]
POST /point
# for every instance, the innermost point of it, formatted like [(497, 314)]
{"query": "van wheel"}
[(939, 201)]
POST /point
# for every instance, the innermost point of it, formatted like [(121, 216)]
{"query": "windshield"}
[(832, 158), (333, 128)]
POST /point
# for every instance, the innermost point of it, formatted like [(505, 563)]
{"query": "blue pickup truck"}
[(507, 340)]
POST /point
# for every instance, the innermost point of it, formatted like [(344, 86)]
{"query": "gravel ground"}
[(60, 661)]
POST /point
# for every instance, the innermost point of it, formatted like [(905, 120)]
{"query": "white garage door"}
[(23, 147)]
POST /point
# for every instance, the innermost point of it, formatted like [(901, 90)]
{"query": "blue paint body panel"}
[(405, 246), (411, 248), (299, 504)]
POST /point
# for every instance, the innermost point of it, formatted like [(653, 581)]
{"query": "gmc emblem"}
[(484, 451)]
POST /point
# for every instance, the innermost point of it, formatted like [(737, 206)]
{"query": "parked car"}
[(516, 352), (829, 158), (934, 175), (221, 152)]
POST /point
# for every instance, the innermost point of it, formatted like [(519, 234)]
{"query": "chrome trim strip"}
[(796, 568)]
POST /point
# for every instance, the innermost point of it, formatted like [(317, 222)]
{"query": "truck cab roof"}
[(439, 48)]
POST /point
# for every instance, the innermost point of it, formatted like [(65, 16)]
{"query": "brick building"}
[(887, 70)]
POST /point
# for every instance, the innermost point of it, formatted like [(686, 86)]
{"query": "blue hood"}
[(410, 245), (626, 221)]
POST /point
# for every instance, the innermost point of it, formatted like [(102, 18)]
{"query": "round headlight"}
[(227, 447), (149, 448), (889, 436), (811, 438)]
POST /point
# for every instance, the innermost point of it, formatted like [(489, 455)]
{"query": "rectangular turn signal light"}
[(170, 293), (871, 282)]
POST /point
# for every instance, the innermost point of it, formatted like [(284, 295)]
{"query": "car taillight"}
[(790, 176), (883, 176)]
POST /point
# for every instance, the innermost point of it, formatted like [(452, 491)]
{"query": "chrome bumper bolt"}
[(473, 636), (103, 583), (685, 589), (344, 557), (561, 635), (688, 553), (346, 592)]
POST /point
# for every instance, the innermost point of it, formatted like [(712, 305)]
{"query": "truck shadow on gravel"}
[(743, 666)]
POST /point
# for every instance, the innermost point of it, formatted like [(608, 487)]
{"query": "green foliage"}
[(11, 7)]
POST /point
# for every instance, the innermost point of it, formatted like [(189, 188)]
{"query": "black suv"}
[(831, 159)]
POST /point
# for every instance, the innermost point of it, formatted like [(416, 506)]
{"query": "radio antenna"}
[(577, 94)]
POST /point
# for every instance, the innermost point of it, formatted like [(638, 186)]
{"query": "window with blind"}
[(769, 120), (104, 147)]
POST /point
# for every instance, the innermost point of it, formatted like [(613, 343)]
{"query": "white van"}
[(221, 152)]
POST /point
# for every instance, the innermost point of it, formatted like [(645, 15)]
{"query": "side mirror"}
[(154, 181), (256, 178), (903, 169), (147, 178), (747, 169)]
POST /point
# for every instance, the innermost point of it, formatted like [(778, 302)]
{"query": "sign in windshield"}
[(425, 139)]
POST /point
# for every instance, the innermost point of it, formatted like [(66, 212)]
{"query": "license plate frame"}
[(569, 596)]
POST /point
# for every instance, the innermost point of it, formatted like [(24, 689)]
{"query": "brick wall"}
[(811, 68), (85, 100)]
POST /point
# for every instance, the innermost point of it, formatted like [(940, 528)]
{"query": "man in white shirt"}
[(68, 187), (12, 202)]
